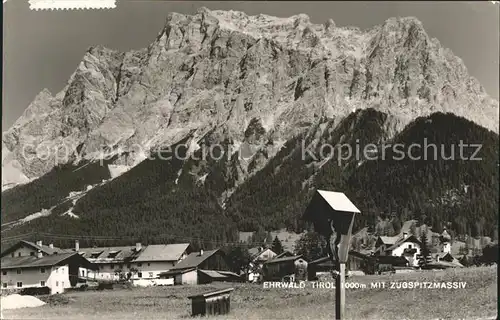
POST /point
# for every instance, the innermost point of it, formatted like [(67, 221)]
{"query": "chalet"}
[(26, 248), (133, 262), (383, 243), (356, 263), (114, 263), (201, 267), (276, 269), (56, 272), (258, 256), (407, 246), (155, 259)]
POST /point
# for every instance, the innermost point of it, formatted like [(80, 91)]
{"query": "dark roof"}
[(411, 238), (285, 253), (285, 259), (173, 272), (162, 252), (43, 248), (216, 275), (110, 254), (45, 261), (320, 260), (255, 252), (326, 261), (194, 259), (212, 293), (394, 260), (388, 240)]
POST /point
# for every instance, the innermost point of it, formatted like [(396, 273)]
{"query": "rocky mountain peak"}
[(225, 71)]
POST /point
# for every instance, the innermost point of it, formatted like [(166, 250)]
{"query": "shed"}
[(211, 303), (276, 269)]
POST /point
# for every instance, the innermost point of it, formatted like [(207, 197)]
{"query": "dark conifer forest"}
[(163, 201)]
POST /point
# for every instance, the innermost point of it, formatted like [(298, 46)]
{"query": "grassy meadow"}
[(478, 300)]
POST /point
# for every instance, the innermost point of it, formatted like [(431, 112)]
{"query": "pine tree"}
[(277, 247), (425, 253)]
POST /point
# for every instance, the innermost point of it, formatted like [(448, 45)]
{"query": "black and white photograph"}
[(250, 160)]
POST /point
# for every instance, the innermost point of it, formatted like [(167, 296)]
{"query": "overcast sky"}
[(43, 48)]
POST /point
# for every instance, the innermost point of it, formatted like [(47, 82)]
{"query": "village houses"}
[(407, 246), (201, 267), (133, 262), (258, 255), (34, 265), (28, 264)]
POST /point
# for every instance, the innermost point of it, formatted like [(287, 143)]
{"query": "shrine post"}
[(332, 215)]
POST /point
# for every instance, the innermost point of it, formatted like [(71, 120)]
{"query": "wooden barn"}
[(276, 269), (201, 267), (356, 261)]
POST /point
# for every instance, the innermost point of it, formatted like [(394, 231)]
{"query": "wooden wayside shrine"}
[(332, 214), (211, 303)]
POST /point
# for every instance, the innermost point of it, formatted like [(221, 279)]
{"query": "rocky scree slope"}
[(212, 75)]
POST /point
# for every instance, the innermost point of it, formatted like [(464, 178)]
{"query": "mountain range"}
[(256, 91)]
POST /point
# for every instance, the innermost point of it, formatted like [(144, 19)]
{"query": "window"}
[(409, 246), (113, 254), (139, 274), (151, 275), (32, 253), (4, 273), (42, 283), (19, 284), (19, 254), (57, 283), (42, 270), (139, 264), (149, 264), (19, 271), (95, 254), (4, 285), (12, 255), (112, 266)]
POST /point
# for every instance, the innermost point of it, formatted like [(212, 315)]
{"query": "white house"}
[(407, 246), (113, 262), (133, 262), (258, 256), (56, 271), (159, 258)]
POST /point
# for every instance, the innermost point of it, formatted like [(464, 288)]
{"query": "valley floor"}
[(478, 300)]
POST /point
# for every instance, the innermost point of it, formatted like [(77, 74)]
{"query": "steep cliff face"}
[(251, 81)]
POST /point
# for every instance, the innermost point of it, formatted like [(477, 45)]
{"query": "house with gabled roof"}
[(407, 246), (158, 258), (276, 269), (135, 262), (26, 248), (46, 269), (113, 262), (258, 255), (201, 267)]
